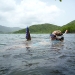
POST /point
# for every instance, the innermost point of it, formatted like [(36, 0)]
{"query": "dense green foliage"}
[(20, 31), (48, 28), (60, 0), (40, 28), (70, 27), (43, 28)]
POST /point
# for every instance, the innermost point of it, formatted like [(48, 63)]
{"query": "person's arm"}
[(65, 32)]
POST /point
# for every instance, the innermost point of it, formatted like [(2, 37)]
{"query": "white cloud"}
[(27, 12)]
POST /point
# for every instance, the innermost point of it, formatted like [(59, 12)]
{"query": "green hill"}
[(1, 32), (4, 29), (40, 28), (48, 28), (70, 27)]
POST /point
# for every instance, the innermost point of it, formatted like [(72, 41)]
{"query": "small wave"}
[(2, 44)]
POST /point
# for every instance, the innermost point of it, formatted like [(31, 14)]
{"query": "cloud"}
[(7, 5), (27, 12)]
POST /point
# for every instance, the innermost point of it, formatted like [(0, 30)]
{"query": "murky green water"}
[(40, 56)]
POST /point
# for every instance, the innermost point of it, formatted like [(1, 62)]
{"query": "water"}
[(40, 56)]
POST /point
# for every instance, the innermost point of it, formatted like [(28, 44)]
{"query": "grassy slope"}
[(48, 28)]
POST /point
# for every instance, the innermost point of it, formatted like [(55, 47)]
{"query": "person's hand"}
[(66, 31)]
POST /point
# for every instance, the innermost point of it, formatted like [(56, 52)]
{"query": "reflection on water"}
[(28, 44), (40, 56)]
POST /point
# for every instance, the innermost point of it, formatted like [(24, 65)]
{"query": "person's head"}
[(57, 32)]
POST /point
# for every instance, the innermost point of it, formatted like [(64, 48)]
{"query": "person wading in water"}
[(57, 35), (28, 37)]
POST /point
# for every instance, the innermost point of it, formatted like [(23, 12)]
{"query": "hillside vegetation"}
[(70, 27), (4, 29), (40, 28), (48, 28)]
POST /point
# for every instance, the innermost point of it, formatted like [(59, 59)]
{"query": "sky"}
[(23, 13)]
